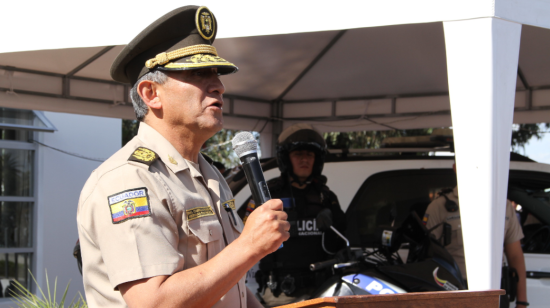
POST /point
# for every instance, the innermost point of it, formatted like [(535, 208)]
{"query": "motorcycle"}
[(381, 270)]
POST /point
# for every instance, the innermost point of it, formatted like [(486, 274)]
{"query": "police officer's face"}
[(193, 99), (302, 163)]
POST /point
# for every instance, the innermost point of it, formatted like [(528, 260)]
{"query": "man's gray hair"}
[(139, 106)]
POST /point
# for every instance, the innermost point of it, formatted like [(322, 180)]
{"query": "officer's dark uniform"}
[(284, 276), (289, 266)]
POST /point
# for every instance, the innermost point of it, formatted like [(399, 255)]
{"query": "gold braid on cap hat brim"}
[(165, 57)]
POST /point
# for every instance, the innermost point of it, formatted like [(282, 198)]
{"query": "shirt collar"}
[(164, 149), (211, 178)]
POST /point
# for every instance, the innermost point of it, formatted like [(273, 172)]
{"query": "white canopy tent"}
[(372, 65)]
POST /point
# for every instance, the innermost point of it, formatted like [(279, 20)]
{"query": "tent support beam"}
[(397, 96), (279, 119), (89, 61), (522, 78), (67, 78), (482, 68), (232, 97), (529, 94), (276, 125), (50, 74)]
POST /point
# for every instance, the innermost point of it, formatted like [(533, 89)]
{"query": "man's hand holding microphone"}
[(267, 227)]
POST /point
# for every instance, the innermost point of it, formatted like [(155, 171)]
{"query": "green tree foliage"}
[(368, 139), (218, 147), (522, 133), (129, 130)]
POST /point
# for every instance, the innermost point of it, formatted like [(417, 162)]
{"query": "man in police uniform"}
[(284, 275), (157, 223), (445, 209)]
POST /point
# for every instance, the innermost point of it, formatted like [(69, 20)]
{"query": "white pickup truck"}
[(369, 187)]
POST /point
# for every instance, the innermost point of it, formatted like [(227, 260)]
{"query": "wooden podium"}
[(448, 299)]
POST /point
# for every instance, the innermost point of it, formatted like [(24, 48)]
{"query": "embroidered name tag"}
[(199, 212), (129, 204), (230, 203)]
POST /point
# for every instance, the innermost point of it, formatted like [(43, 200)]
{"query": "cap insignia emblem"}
[(172, 160), (205, 22)]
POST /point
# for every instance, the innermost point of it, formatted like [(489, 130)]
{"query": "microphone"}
[(246, 147)]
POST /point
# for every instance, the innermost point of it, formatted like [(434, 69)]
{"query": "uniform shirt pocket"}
[(204, 224)]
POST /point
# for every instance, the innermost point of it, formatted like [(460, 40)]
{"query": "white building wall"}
[(60, 178)]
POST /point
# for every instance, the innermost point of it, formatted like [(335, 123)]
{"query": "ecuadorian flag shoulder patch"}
[(128, 204), (425, 219)]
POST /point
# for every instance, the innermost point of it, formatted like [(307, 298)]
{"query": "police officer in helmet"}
[(284, 276)]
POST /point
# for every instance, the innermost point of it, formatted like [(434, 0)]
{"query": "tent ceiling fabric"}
[(268, 64), (534, 55), (409, 59), (369, 78), (59, 61), (100, 68)]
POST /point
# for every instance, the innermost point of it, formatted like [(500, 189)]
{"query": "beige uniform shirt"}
[(436, 213), (146, 212)]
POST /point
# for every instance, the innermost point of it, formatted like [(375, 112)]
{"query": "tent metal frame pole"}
[(522, 78), (312, 64), (276, 117), (276, 125), (248, 98), (529, 89), (50, 74), (397, 96), (356, 98), (51, 95), (89, 61), (66, 87), (277, 111), (67, 78), (396, 115)]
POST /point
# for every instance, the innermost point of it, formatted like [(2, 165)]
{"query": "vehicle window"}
[(530, 191), (387, 198)]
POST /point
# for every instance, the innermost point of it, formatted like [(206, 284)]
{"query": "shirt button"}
[(210, 231)]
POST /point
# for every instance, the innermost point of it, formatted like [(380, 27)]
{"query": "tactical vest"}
[(304, 245)]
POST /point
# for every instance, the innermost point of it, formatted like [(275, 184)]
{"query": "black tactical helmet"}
[(301, 137)]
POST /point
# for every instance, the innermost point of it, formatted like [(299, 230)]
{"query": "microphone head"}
[(244, 143)]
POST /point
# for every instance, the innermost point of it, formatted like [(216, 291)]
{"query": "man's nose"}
[(216, 86)]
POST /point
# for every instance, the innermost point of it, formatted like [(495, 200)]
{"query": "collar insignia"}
[(172, 160), (205, 22), (144, 155)]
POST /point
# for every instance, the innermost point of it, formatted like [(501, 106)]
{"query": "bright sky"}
[(538, 150)]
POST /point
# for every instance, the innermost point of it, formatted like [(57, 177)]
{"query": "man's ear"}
[(147, 90)]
